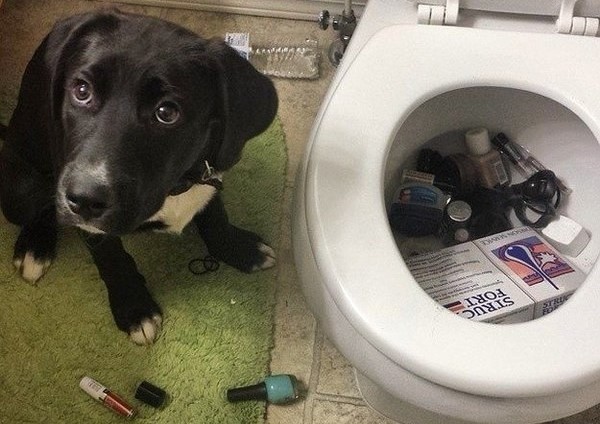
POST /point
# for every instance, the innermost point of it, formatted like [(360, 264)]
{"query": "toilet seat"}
[(347, 223)]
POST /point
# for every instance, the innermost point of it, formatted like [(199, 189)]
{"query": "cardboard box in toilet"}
[(510, 277), (464, 281), (534, 266)]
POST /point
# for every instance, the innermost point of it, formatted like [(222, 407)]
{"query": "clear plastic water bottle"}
[(287, 60), (279, 58)]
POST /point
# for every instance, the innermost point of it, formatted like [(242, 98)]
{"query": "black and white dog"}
[(126, 122)]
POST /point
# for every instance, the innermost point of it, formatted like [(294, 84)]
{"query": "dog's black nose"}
[(88, 200)]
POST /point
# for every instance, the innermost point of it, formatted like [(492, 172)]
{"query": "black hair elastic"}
[(203, 265), (546, 215)]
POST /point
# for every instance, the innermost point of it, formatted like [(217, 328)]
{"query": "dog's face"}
[(140, 104)]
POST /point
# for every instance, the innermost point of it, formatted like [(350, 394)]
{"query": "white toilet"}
[(504, 66)]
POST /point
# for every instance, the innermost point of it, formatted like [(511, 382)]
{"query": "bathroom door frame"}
[(289, 9)]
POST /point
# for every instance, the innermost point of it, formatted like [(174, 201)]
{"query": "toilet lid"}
[(398, 70)]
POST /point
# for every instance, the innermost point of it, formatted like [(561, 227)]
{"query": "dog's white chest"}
[(177, 211)]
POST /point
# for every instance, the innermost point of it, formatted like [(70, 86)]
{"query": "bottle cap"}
[(254, 392), (150, 394), (461, 235), (478, 141)]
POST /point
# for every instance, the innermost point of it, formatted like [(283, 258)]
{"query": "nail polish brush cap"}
[(150, 394)]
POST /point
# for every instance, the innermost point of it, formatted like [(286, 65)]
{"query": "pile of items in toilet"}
[(453, 220)]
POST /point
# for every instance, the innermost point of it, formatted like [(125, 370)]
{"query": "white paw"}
[(269, 257), (31, 269), (147, 332)]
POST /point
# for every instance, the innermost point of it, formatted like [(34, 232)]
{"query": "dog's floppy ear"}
[(43, 80), (42, 85), (248, 104), (64, 39)]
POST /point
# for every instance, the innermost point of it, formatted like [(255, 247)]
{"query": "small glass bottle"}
[(492, 172)]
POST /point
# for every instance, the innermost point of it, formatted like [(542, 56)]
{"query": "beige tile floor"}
[(300, 347)]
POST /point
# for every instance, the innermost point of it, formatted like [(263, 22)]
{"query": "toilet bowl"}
[(400, 85)]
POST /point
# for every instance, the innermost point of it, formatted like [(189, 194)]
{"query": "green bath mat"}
[(217, 329)]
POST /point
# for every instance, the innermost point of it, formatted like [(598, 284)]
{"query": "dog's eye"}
[(167, 113), (82, 92)]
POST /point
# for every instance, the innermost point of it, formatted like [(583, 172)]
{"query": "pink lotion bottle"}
[(490, 167)]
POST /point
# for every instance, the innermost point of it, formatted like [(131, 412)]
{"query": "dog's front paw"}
[(30, 267), (35, 250), (243, 250), (268, 260), (137, 314), (147, 331)]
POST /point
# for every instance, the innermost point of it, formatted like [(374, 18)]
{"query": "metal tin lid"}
[(459, 211)]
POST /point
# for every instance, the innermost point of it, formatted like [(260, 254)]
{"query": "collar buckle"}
[(210, 177)]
